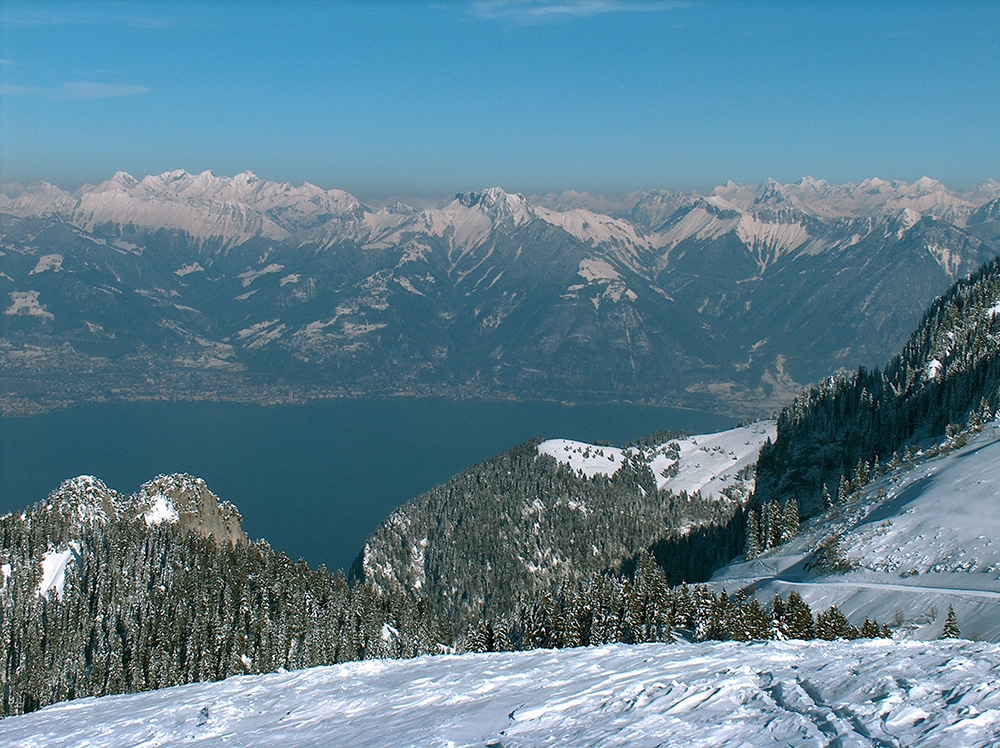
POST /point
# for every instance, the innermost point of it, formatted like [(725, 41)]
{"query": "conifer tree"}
[(951, 630), (751, 548), (844, 490), (790, 520), (832, 624), (798, 620)]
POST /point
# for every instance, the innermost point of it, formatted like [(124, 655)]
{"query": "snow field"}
[(862, 693), (54, 565), (706, 462)]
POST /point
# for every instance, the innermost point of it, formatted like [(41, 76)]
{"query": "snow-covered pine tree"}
[(951, 630), (832, 624), (844, 489), (790, 520), (798, 620), (752, 547)]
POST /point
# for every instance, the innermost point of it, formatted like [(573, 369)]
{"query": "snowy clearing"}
[(862, 693), (26, 302), (54, 565), (705, 462), (51, 262)]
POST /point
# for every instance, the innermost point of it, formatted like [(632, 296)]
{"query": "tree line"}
[(607, 608)]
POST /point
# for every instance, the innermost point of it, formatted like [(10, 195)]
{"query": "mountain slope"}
[(545, 513), (873, 693), (908, 546), (947, 373), (238, 288)]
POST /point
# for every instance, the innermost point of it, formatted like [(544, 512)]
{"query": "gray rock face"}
[(198, 509)]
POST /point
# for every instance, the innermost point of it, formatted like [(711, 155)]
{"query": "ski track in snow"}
[(917, 540), (866, 693)]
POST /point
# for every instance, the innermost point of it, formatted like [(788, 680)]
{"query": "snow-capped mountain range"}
[(231, 285), (233, 209)]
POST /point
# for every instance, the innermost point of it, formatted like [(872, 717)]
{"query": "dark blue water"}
[(314, 480)]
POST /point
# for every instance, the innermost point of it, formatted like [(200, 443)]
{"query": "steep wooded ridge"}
[(199, 286), (103, 593), (947, 374), (549, 513)]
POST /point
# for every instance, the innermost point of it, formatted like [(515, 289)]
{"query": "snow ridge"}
[(706, 463)]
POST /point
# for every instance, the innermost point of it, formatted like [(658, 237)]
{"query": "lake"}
[(314, 480)]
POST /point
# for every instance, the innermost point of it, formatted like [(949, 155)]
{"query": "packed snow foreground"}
[(877, 692)]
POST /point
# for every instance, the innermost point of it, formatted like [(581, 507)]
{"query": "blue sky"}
[(431, 98)]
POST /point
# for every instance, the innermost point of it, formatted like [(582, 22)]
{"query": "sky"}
[(433, 98)]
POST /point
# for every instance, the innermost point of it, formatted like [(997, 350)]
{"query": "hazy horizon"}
[(537, 96), (426, 198)]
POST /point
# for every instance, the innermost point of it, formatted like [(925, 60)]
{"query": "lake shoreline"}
[(313, 479)]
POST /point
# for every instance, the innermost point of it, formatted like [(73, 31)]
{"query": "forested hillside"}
[(947, 373), (514, 527), (102, 593)]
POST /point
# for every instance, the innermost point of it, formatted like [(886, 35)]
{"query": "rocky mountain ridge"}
[(238, 288)]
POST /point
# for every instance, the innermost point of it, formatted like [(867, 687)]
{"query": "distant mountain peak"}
[(497, 203), (247, 178), (124, 179)]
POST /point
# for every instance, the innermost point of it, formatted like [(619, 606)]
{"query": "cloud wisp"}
[(7, 89), (529, 12), (77, 90), (88, 90), (81, 15)]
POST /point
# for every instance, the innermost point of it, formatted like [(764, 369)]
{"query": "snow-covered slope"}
[(909, 545), (868, 693), (707, 463)]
